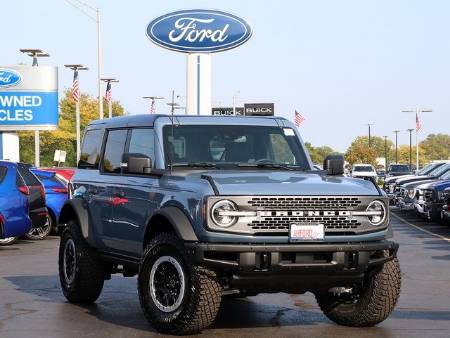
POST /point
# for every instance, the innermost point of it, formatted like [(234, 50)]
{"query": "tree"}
[(64, 138), (360, 152), (436, 147), (318, 154)]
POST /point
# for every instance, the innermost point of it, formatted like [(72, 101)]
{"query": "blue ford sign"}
[(199, 31), (9, 78), (28, 98)]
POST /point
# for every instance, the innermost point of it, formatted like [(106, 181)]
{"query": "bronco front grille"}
[(283, 223), (305, 203)]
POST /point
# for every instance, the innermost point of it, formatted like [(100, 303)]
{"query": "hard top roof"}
[(148, 120)]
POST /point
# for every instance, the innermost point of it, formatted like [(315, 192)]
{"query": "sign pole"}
[(77, 118)]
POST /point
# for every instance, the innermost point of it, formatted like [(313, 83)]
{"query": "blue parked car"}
[(15, 220), (56, 194)]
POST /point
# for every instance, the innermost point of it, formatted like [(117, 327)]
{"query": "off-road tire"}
[(377, 299), (37, 234), (89, 273), (202, 294)]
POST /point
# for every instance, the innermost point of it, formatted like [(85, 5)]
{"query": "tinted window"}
[(363, 168), (142, 142), (3, 171), (115, 144), (29, 178), (90, 151)]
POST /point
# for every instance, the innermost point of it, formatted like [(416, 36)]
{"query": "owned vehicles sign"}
[(28, 98)]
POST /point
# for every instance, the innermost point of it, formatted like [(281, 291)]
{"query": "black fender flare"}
[(179, 221), (77, 208)]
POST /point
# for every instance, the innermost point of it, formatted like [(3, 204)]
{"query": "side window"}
[(3, 171), (29, 178), (90, 151), (115, 145), (142, 141)]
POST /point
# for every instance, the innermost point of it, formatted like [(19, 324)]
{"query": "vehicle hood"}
[(415, 184), (406, 180), (395, 178), (435, 185), (364, 173), (264, 182)]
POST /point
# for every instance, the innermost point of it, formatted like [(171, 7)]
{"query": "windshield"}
[(427, 169), (229, 146), (363, 168), (445, 176), (399, 168), (439, 171)]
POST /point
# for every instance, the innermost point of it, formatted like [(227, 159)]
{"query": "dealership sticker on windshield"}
[(288, 132), (306, 232)]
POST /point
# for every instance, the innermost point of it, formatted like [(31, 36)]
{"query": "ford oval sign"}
[(9, 78), (199, 31)]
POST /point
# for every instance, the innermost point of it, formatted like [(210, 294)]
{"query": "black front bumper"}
[(293, 267)]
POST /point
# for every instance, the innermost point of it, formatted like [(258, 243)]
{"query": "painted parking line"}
[(421, 229)]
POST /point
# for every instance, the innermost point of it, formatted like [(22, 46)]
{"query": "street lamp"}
[(173, 104), (418, 127), (396, 145), (153, 102), (96, 19), (410, 147), (76, 68), (108, 93), (35, 54)]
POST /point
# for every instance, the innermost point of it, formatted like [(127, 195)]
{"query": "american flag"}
[(75, 87), (108, 96), (298, 119), (418, 124)]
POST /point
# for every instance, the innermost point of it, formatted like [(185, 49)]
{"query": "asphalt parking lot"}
[(32, 305)]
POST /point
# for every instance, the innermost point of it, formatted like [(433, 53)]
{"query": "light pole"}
[(153, 102), (76, 68), (108, 93), (172, 104), (370, 139), (96, 19), (385, 153), (234, 101), (396, 145), (418, 127), (35, 54), (410, 147)]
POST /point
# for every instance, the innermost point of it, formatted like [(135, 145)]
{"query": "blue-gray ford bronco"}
[(205, 207)]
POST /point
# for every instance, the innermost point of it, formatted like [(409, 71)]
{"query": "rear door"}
[(36, 198)]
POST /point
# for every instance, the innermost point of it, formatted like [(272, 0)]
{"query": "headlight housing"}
[(378, 210), (223, 213)]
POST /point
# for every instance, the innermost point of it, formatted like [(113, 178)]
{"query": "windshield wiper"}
[(195, 164), (269, 166)]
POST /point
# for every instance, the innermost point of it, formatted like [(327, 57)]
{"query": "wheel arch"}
[(170, 219), (75, 209)]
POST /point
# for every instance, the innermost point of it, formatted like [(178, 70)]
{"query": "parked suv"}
[(203, 206)]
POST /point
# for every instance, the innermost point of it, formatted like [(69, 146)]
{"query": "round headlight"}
[(411, 193), (379, 212), (220, 213)]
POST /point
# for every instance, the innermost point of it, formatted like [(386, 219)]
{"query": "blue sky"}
[(342, 64)]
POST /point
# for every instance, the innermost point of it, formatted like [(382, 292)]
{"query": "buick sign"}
[(9, 78), (199, 31)]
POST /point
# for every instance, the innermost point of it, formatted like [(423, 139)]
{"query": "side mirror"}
[(135, 163), (334, 164)]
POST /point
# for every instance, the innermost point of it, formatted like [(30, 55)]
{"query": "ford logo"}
[(9, 78), (199, 31)]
